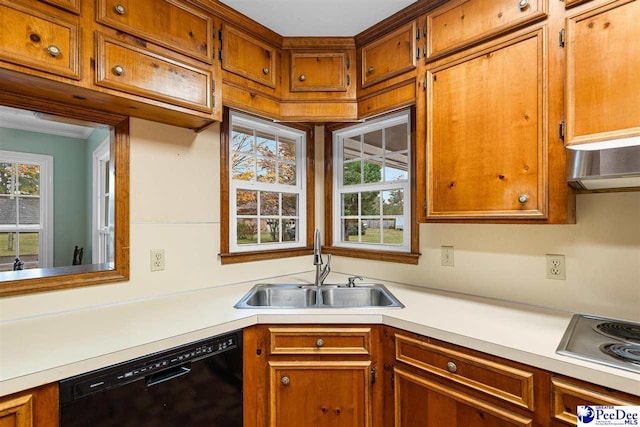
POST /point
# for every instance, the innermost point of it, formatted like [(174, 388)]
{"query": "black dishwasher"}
[(199, 384)]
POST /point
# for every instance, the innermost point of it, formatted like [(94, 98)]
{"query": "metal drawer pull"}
[(118, 70), (302, 77), (319, 342), (452, 367), (120, 10), (523, 4), (285, 381), (54, 50), (523, 198), (265, 70), (371, 69)]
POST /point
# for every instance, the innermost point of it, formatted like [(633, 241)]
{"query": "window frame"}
[(332, 207), (45, 226), (102, 228), (229, 252)]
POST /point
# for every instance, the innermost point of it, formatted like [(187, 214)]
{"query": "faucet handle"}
[(352, 281)]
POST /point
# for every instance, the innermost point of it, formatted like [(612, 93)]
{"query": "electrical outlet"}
[(446, 254), (157, 259), (556, 267)]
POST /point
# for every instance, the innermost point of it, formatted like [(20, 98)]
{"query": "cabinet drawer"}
[(137, 71), (321, 72), (462, 22), (69, 5), (566, 396), (248, 57), (389, 56), (320, 341), (492, 378), (174, 24), (38, 40)]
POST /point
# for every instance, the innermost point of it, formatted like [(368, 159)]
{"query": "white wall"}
[(175, 206)]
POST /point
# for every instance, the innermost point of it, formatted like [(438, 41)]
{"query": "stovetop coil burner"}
[(619, 330), (626, 352)]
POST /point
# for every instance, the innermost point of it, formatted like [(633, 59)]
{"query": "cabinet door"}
[(422, 402), (174, 25), (603, 73), (37, 407), (486, 131), (137, 71), (69, 5), (319, 394), (248, 57), (389, 56), (38, 40), (319, 72)]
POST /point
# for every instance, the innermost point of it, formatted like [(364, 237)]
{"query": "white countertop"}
[(49, 348)]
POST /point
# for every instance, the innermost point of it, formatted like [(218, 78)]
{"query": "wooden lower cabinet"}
[(36, 407)]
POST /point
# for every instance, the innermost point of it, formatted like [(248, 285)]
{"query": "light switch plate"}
[(446, 253)]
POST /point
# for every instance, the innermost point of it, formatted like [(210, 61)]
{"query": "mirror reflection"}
[(56, 192)]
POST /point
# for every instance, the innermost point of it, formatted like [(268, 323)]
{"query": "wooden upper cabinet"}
[(72, 6), (571, 3), (38, 40), (248, 57), (459, 23), (603, 73), (319, 72), (169, 23), (389, 56), (137, 71), (486, 131)]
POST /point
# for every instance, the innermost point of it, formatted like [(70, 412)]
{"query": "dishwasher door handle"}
[(169, 374)]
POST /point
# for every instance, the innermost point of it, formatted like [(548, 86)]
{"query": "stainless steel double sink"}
[(363, 295)]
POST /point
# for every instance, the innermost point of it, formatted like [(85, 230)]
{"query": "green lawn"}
[(28, 244), (391, 236)]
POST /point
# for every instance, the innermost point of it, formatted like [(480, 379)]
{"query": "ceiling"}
[(13, 118), (324, 18)]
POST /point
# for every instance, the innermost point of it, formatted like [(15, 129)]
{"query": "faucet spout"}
[(321, 272)]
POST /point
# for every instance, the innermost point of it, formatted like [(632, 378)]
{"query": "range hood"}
[(611, 168)]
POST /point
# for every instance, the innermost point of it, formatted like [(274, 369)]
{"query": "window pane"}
[(29, 179), (242, 140), (242, 167), (266, 170), (6, 178), (396, 138), (287, 149), (7, 210), (289, 204), (287, 173), (29, 210), (393, 202), (8, 248), (290, 230), (247, 231), (352, 173), (373, 170), (372, 143), (29, 249), (371, 234), (392, 232), (266, 144), (107, 175), (397, 167), (269, 230), (350, 204), (246, 202), (350, 230), (351, 148), (370, 203), (269, 203)]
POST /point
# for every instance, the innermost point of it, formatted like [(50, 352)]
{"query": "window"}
[(372, 187), (102, 228), (26, 207), (267, 181)]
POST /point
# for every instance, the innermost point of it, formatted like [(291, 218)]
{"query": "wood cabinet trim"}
[(277, 348), (72, 6), (466, 399), (21, 408), (409, 65), (525, 398), (431, 55), (103, 17)]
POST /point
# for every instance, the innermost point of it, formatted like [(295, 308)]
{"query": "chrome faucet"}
[(321, 273)]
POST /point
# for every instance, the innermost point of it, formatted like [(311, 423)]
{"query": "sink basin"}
[(327, 296)]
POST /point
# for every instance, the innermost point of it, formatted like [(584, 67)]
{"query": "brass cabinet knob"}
[(54, 50), (285, 381), (371, 69), (120, 9), (523, 4), (319, 342), (302, 77), (119, 70), (452, 367), (265, 70), (523, 198)]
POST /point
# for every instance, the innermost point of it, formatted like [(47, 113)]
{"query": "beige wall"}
[(175, 206)]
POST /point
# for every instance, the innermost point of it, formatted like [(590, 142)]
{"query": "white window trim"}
[(339, 189), (45, 162), (300, 188), (100, 228)]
